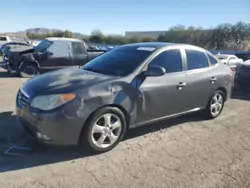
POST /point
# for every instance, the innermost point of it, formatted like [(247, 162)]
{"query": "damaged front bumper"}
[(4, 64), (57, 127)]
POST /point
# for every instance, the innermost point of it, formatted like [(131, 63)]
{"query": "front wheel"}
[(104, 130), (28, 70), (215, 105)]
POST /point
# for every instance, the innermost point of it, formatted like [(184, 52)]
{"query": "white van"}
[(4, 39)]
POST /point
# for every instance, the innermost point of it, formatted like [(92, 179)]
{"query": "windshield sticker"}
[(146, 48)]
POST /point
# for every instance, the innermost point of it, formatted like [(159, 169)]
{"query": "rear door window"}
[(212, 60), (196, 59)]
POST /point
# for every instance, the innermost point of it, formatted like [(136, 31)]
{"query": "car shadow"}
[(43, 155), (4, 74)]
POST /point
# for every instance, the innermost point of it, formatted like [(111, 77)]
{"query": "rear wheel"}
[(28, 70), (215, 105), (104, 130)]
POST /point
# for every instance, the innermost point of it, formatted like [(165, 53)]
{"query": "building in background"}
[(151, 34)]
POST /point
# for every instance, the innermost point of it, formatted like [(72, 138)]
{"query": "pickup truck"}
[(50, 54)]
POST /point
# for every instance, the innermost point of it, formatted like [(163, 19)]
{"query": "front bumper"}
[(4, 63), (57, 127)]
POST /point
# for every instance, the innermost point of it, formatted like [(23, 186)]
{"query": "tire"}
[(213, 112), (98, 129), (10, 72), (28, 70)]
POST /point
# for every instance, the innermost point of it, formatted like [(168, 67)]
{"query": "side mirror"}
[(49, 53), (154, 71)]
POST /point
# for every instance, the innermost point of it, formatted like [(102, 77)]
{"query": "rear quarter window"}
[(212, 60)]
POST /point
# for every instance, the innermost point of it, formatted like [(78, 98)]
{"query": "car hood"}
[(28, 51), (63, 81)]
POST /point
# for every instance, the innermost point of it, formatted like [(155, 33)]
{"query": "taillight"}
[(231, 71)]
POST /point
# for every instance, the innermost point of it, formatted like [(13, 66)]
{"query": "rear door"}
[(165, 95), (202, 77), (79, 54)]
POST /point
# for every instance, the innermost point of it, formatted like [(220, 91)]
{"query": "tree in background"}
[(66, 33), (224, 36), (96, 36)]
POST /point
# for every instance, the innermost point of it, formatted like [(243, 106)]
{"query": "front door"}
[(79, 53), (164, 95), (57, 56)]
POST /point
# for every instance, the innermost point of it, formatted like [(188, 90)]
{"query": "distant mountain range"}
[(39, 31)]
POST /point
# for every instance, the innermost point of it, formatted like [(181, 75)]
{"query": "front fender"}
[(120, 94)]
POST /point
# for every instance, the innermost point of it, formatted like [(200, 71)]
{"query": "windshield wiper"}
[(92, 70), (108, 72)]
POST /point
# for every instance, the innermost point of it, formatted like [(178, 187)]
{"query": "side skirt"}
[(164, 118)]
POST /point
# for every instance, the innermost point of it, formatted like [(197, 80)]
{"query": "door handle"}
[(181, 84), (213, 79)]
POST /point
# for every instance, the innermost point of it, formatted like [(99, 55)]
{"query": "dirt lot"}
[(184, 152)]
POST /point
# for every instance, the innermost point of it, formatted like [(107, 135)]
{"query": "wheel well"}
[(127, 117), (223, 90), (28, 62)]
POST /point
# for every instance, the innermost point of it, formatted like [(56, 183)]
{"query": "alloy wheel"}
[(216, 104), (106, 130)]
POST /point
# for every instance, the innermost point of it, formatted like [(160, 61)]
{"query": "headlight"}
[(49, 102)]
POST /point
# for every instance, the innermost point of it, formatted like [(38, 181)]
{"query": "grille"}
[(22, 98)]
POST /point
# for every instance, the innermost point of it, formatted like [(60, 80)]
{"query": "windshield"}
[(118, 62), (43, 45)]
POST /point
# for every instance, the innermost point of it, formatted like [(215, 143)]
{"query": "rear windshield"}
[(3, 39), (120, 61)]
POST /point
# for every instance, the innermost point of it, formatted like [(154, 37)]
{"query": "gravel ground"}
[(183, 152)]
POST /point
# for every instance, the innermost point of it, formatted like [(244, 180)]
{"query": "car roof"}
[(242, 52), (62, 38), (162, 44), (225, 55)]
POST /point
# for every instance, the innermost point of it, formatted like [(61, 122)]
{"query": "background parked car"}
[(242, 75), (50, 54), (229, 60), (129, 86), (244, 55)]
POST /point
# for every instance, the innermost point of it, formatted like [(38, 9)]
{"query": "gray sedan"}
[(129, 86)]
